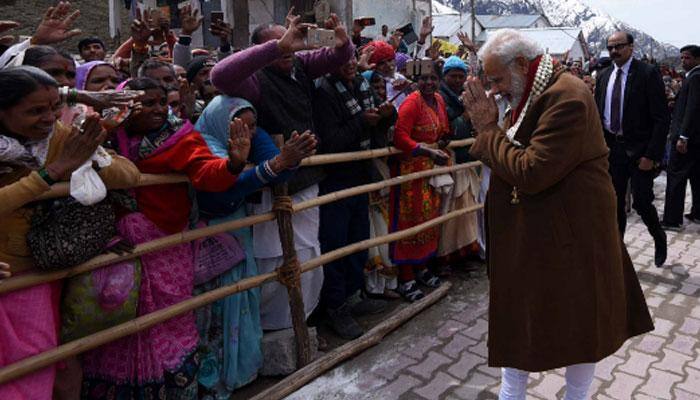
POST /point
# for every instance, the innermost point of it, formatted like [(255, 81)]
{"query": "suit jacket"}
[(686, 114), (560, 275), (645, 119)]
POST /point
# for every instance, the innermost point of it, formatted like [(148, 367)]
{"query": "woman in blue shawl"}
[(230, 330)]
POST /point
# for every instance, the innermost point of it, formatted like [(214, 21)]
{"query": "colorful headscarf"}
[(214, 122), (383, 51), (82, 72)]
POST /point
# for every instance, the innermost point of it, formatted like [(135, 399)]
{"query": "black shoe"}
[(671, 227), (428, 279), (360, 304), (692, 218), (409, 291), (660, 248), (343, 324)]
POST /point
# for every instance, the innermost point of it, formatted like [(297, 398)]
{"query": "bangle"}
[(72, 97), (44, 174), (63, 94)]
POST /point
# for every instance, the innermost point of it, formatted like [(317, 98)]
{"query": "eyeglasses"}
[(617, 47)]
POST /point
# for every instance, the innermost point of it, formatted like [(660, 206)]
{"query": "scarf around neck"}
[(30, 154)]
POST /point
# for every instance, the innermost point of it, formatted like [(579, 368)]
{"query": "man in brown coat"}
[(563, 290)]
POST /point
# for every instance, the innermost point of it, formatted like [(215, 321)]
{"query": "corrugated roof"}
[(556, 40), (447, 25), (507, 21)]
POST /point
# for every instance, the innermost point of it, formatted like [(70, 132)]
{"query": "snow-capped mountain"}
[(596, 25)]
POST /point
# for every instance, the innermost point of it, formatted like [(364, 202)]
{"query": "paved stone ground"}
[(441, 354)]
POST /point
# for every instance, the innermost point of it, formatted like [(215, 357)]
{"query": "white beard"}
[(517, 83)]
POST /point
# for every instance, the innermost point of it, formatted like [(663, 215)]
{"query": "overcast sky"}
[(671, 21)]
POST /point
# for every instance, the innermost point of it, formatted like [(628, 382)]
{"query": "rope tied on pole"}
[(283, 204), (289, 273)]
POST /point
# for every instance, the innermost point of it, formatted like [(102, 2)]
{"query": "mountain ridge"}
[(595, 24)]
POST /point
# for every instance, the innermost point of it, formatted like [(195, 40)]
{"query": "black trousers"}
[(681, 168), (343, 222), (625, 170)]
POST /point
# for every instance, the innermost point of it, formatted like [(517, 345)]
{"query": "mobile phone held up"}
[(366, 21), (320, 37), (416, 68), (216, 17)]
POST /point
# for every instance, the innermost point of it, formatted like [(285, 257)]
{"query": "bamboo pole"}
[(49, 357), (375, 335), (61, 189), (35, 278)]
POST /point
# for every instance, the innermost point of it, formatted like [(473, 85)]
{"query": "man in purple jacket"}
[(280, 84)]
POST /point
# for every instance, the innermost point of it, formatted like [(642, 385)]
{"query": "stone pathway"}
[(441, 354)]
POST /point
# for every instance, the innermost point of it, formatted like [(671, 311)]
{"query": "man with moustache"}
[(685, 145), (563, 290), (631, 100)]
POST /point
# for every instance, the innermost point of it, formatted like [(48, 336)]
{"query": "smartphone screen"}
[(217, 17)]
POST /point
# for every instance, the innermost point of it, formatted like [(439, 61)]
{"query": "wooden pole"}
[(289, 273), (49, 357), (35, 278), (241, 24), (375, 335)]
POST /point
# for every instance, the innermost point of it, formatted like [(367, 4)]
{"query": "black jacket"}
[(339, 131), (285, 107), (686, 114), (645, 119)]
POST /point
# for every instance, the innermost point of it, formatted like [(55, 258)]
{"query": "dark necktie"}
[(615, 122)]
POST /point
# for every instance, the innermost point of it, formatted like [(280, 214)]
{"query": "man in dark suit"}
[(685, 145), (632, 104)]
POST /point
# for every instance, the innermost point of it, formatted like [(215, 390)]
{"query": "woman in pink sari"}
[(35, 151), (160, 362)]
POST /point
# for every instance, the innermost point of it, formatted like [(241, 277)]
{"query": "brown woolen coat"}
[(563, 289)]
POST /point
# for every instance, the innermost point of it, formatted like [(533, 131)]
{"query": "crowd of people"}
[(237, 122)]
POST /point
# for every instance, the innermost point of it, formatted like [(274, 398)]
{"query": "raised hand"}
[(109, 98), (191, 21), (79, 147), (294, 38), (239, 143), (140, 29), (56, 25), (223, 31), (341, 35), (426, 29), (434, 50), (395, 39), (296, 149), (464, 38)]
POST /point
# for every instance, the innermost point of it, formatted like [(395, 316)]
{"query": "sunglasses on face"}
[(617, 47)]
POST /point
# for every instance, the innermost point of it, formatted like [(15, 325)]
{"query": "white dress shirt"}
[(609, 92)]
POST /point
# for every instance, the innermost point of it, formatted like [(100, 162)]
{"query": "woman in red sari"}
[(422, 120)]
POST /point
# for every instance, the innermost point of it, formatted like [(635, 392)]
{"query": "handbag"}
[(99, 299), (214, 255), (65, 233)]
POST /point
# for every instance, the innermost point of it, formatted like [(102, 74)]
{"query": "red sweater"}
[(169, 205)]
